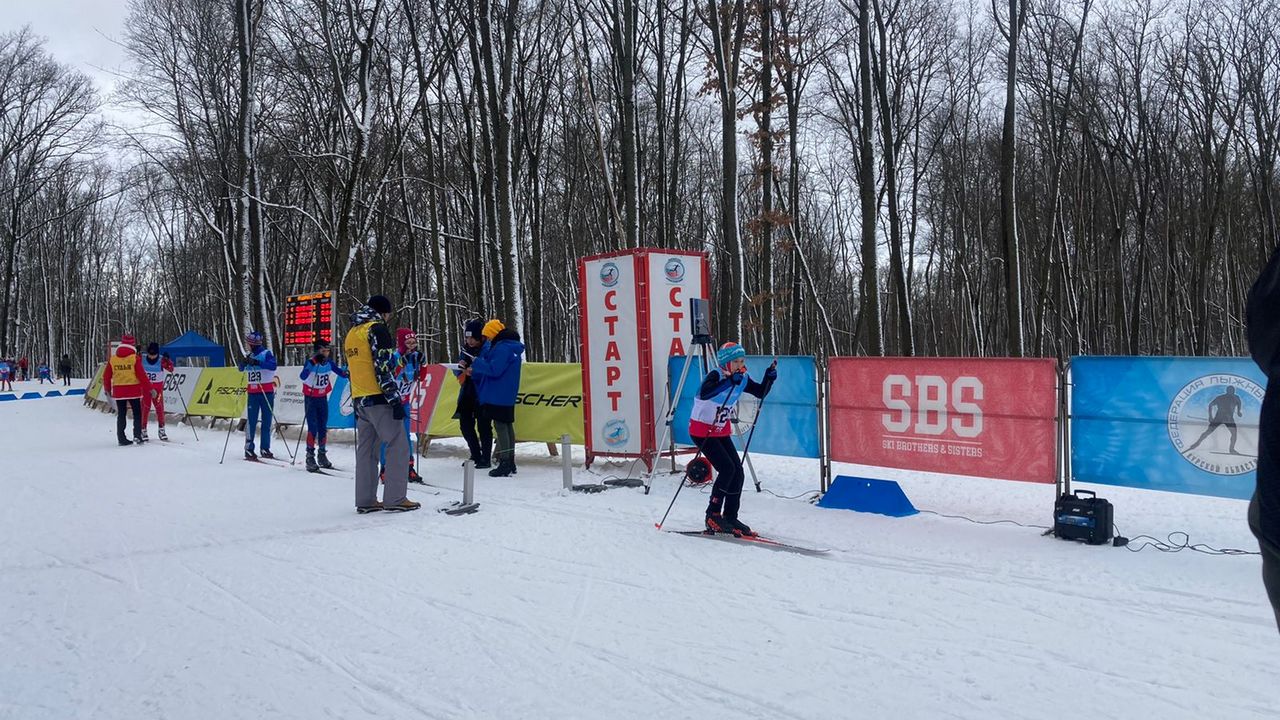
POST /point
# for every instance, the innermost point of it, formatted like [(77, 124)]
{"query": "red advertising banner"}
[(990, 418), (423, 397)]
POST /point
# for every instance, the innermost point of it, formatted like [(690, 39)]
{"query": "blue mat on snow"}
[(884, 497)]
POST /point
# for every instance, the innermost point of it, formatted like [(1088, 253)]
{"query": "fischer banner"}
[(94, 392), (220, 392), (548, 405), (634, 315), (992, 418)]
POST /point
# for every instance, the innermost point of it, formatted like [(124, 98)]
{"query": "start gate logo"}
[(616, 434), (1213, 423), (674, 270), (609, 274)]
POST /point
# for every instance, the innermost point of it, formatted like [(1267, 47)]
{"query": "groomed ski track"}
[(142, 583)]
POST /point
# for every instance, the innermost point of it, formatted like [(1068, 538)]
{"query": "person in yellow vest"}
[(126, 381), (375, 395)]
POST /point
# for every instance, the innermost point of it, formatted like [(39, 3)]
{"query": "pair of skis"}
[(756, 540)]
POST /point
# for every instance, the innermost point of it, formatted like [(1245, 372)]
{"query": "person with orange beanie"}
[(497, 375)]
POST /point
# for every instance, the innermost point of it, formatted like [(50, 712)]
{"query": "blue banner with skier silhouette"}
[(1178, 424), (786, 424)]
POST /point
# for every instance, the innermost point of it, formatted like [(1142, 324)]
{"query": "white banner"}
[(180, 388), (289, 406), (612, 362), (674, 278)]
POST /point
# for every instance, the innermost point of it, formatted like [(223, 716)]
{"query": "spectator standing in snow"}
[(497, 375), (375, 394), (64, 369), (1263, 319), (477, 431), (125, 381), (24, 370)]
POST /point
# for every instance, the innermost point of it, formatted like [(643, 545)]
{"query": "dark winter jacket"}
[(468, 396), (497, 370), (1263, 318)]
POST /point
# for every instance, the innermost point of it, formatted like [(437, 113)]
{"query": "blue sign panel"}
[(1167, 423), (341, 414), (786, 424)]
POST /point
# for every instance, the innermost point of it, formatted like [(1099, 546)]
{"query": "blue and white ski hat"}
[(253, 337), (729, 352)]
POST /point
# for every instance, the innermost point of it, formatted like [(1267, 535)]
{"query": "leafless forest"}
[(1026, 177)]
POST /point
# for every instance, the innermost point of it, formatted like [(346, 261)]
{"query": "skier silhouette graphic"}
[(1223, 411)]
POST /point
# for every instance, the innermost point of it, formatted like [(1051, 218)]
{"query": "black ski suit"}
[(1263, 318)]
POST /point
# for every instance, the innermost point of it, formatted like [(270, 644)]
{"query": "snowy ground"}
[(152, 582)]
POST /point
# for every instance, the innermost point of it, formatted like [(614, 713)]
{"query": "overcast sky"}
[(81, 33)]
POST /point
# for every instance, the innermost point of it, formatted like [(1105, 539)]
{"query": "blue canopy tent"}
[(193, 344)]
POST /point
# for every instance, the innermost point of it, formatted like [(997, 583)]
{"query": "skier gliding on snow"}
[(710, 429)]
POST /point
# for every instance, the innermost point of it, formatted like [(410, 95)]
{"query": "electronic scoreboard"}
[(308, 317)]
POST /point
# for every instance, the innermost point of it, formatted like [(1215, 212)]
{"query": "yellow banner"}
[(95, 388), (549, 404), (220, 392)]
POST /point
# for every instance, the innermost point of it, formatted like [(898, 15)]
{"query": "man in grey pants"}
[(371, 360)]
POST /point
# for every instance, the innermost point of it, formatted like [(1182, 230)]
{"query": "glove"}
[(771, 373), (736, 378), (317, 359), (397, 411), (250, 360)]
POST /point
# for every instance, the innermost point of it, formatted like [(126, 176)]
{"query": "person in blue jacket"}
[(497, 375), (477, 431), (259, 367)]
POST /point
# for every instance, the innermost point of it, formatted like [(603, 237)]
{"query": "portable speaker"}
[(1083, 518)]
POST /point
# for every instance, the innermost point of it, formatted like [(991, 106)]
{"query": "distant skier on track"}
[(710, 428)]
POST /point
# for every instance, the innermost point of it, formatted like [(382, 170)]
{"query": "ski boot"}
[(248, 452), (504, 469), (143, 437), (266, 454), (162, 434), (323, 460), (414, 477), (716, 523), (311, 461), (739, 528)]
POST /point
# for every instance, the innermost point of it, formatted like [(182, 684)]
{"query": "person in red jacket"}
[(23, 366), (157, 368), (126, 381)]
